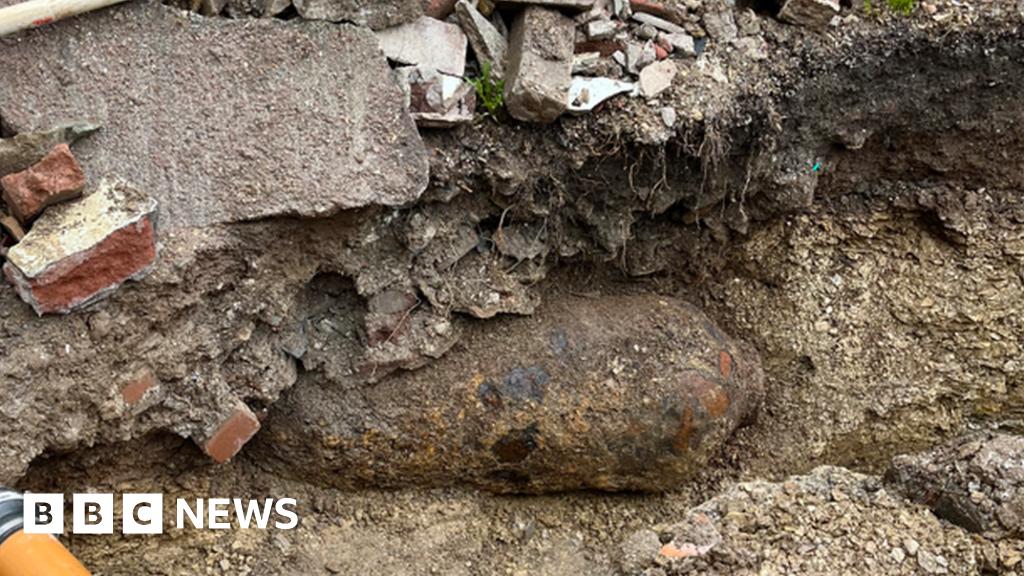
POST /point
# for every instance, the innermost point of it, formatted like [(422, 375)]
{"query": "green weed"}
[(903, 6), (489, 92)]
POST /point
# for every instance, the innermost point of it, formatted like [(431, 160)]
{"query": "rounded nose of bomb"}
[(616, 393)]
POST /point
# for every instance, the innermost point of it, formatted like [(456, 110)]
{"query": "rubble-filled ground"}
[(838, 192)]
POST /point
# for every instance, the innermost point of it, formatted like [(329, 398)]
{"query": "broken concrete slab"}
[(79, 252), (306, 121), (487, 42), (586, 93), (813, 14), (22, 151), (426, 42), (657, 78), (437, 100), (377, 15), (539, 69), (55, 178), (719, 22), (601, 29)]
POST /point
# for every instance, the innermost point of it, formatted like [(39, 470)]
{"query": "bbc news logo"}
[(144, 513)]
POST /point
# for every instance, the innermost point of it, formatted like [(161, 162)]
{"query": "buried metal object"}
[(616, 393)]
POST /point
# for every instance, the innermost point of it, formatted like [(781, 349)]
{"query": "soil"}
[(850, 208)]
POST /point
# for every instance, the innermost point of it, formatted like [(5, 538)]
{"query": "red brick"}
[(57, 177), (660, 52), (79, 252), (137, 388), (232, 434)]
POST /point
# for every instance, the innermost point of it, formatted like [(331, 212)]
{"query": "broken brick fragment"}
[(232, 434), (82, 251), (56, 178), (137, 388)]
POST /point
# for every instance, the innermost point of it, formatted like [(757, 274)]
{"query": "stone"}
[(437, 100), (647, 32), (657, 78), (577, 5), (719, 22), (440, 9), (56, 178), (753, 47), (232, 433), (601, 29), (586, 63), (275, 7), (377, 15), (539, 71), (426, 42), (813, 14), (615, 393), (668, 116), (213, 7), (26, 149), (586, 93), (660, 24), (12, 226), (80, 252), (667, 12), (622, 9), (340, 138), (487, 42), (681, 43)]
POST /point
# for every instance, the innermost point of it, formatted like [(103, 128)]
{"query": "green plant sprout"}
[(489, 92), (903, 6)]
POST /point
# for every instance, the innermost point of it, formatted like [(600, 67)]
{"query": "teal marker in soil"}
[(816, 166)]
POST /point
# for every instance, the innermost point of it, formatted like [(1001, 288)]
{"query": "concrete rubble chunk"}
[(306, 122), (539, 69), (437, 100), (601, 29), (657, 78), (22, 151), (487, 42), (813, 14), (55, 178), (12, 226), (426, 42), (79, 252), (681, 44), (579, 5), (376, 15), (720, 23), (586, 93), (549, 403), (660, 24), (668, 12)]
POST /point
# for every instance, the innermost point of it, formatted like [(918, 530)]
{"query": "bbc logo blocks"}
[(144, 513)]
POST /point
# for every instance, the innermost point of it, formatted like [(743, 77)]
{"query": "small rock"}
[(813, 14), (440, 9), (658, 23), (225, 564), (719, 23), (911, 546), (426, 42), (82, 251), (926, 560), (681, 43), (275, 7), (586, 63), (56, 178), (24, 150), (11, 225), (659, 52), (437, 100), (621, 9), (488, 44), (563, 4), (539, 72), (753, 47), (601, 29), (668, 12), (657, 78), (586, 93), (647, 32), (668, 116), (897, 554)]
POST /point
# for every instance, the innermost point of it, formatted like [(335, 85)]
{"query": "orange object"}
[(37, 555)]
